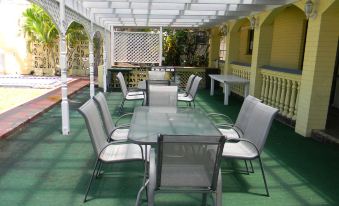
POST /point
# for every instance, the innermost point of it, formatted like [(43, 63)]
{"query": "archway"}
[(287, 28), (240, 34), (77, 50)]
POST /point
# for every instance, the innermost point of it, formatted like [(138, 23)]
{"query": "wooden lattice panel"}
[(77, 63), (183, 74), (136, 47)]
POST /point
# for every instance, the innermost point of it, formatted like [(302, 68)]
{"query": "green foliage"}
[(75, 33), (182, 49), (39, 27)]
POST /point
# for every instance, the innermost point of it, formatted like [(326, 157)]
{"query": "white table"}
[(228, 80)]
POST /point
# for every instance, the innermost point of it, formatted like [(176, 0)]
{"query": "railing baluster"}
[(287, 97), (296, 102), (270, 90), (292, 101), (263, 86), (274, 91), (266, 90), (282, 96), (276, 105)]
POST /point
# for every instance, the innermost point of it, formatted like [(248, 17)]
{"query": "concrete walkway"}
[(16, 118)]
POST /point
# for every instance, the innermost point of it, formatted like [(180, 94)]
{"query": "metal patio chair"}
[(150, 82), (189, 99), (236, 130), (113, 131), (162, 96), (195, 169), (128, 95), (106, 152), (156, 75), (251, 144), (188, 86)]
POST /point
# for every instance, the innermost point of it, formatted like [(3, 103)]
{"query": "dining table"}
[(148, 122), (228, 80)]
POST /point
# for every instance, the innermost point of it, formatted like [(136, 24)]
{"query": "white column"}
[(160, 47), (63, 69), (112, 46), (91, 68), (91, 61), (104, 76)]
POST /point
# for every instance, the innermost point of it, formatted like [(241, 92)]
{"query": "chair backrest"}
[(259, 124), (185, 161), (100, 100), (194, 88), (122, 84), (154, 82), (189, 83), (156, 75), (160, 95), (94, 125), (244, 114)]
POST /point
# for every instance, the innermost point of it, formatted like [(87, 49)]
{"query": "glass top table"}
[(148, 122)]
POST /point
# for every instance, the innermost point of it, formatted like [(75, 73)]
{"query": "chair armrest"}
[(121, 117), (134, 89), (112, 143), (228, 120), (235, 140)]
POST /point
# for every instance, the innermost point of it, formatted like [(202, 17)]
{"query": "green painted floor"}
[(39, 166)]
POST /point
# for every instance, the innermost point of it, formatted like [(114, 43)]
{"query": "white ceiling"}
[(169, 13)]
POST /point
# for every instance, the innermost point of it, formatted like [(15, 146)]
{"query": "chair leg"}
[(252, 170), (263, 175), (150, 195), (204, 199), (218, 192), (90, 182), (193, 104), (98, 173), (246, 167)]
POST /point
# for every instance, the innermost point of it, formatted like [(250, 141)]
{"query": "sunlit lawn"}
[(11, 97)]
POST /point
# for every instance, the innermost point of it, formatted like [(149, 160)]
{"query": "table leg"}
[(246, 90), (212, 87), (226, 93)]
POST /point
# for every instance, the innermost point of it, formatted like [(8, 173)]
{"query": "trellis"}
[(140, 47)]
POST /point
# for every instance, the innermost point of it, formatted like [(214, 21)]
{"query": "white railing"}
[(281, 90), (241, 71)]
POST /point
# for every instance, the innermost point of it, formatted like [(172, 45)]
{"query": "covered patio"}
[(39, 166), (284, 49)]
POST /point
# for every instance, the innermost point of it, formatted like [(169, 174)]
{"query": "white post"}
[(63, 69), (104, 76), (91, 61), (160, 47), (112, 46)]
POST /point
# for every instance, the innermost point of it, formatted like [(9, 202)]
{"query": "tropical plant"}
[(181, 48), (39, 27)]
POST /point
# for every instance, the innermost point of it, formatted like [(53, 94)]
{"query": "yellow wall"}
[(288, 38), (213, 53), (243, 55), (13, 53)]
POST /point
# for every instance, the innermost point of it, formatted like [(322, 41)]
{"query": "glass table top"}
[(148, 122)]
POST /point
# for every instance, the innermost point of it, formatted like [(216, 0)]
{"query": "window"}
[(222, 48), (250, 41)]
